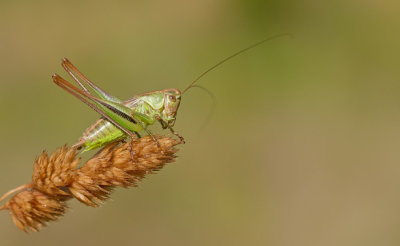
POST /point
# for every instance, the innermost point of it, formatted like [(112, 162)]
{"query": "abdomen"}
[(103, 132), (99, 134)]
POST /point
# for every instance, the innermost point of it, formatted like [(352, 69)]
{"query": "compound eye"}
[(172, 98)]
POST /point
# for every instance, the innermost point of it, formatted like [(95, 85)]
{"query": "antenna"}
[(234, 55)]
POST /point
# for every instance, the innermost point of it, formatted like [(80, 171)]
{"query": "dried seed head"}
[(31, 209), (55, 179), (114, 166)]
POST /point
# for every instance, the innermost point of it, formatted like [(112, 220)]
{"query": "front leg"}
[(165, 125)]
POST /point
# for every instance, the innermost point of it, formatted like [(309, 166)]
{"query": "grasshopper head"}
[(172, 100)]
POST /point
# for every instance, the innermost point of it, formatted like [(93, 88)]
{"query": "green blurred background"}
[(302, 148)]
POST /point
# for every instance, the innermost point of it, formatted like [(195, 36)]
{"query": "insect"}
[(121, 119)]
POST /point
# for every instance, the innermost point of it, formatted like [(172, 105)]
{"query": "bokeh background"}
[(303, 147)]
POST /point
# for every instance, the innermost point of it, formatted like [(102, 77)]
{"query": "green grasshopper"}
[(121, 119)]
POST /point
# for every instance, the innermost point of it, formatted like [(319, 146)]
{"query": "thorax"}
[(149, 103)]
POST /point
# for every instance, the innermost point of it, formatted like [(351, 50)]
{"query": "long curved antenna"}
[(213, 105), (235, 54)]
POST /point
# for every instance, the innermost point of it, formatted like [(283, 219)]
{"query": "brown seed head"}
[(55, 178), (113, 166)]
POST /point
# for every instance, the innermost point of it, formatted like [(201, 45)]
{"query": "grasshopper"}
[(121, 119)]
